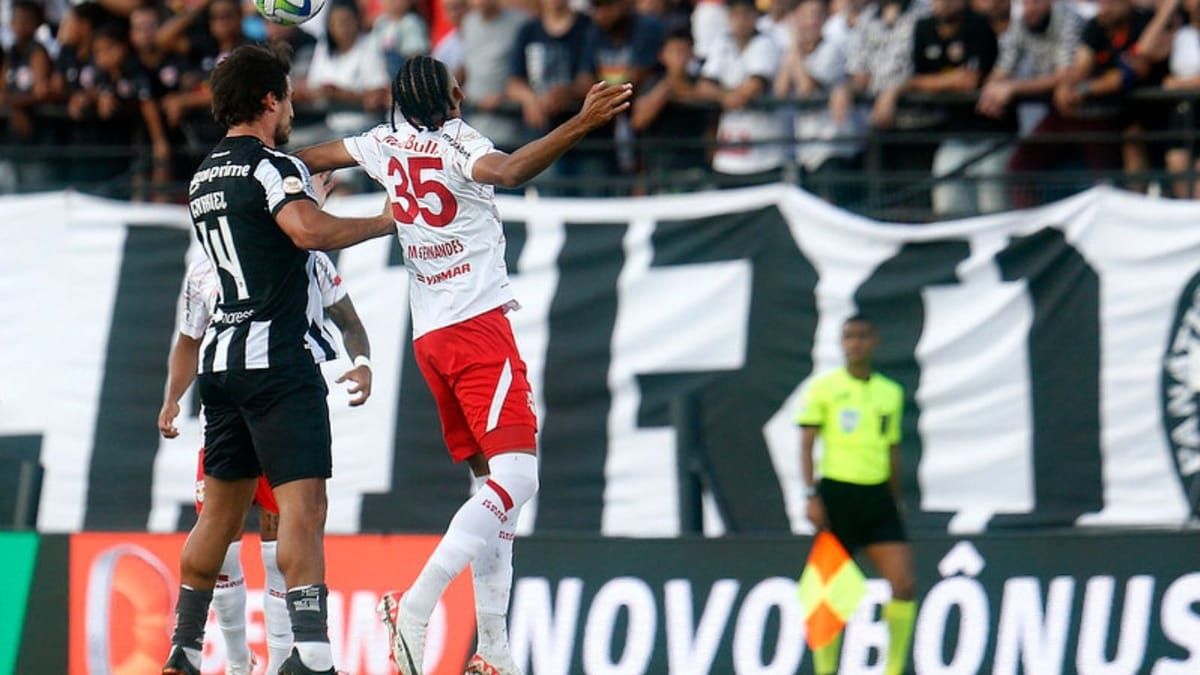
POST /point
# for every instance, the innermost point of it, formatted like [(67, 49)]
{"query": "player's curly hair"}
[(241, 81), (422, 91)]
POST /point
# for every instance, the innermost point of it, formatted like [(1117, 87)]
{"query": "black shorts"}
[(273, 422), (860, 515)]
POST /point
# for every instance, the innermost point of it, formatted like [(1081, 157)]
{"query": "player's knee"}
[(517, 474)]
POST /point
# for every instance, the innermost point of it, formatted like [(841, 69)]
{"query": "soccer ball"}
[(288, 12)]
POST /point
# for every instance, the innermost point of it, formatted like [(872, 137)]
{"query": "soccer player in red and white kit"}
[(439, 174), (327, 298)]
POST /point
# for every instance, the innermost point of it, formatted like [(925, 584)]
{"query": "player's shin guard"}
[(191, 613), (825, 659), (308, 608), (229, 602), (900, 616), (477, 523), (275, 610)]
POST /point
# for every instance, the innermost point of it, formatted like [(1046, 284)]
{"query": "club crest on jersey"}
[(292, 185), (849, 420)]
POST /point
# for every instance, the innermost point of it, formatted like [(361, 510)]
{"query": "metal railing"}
[(876, 185)]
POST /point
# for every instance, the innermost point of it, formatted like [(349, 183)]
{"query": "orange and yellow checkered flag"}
[(831, 587)]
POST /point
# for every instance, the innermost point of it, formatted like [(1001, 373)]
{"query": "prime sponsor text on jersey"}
[(212, 173)]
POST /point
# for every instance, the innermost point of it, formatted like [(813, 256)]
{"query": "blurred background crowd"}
[(937, 107)]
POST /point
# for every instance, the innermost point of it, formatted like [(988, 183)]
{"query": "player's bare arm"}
[(358, 348), (181, 371), (603, 103), (326, 156), (315, 230)]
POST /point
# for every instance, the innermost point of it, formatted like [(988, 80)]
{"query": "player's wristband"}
[(361, 360), (810, 491)]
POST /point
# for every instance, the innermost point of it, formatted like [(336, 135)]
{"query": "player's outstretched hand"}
[(323, 183), (360, 379), (604, 102), (166, 419)]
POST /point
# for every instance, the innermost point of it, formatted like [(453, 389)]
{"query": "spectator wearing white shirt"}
[(1182, 158), (740, 70), (814, 65), (347, 72), (489, 34), (776, 25), (710, 26), (400, 33)]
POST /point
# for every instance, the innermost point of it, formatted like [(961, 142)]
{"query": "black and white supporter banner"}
[(1051, 359)]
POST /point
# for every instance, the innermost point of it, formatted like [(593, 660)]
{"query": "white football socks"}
[(229, 602), (275, 612), (476, 525)]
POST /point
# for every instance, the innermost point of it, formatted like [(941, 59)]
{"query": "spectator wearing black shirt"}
[(125, 105), (622, 46), (27, 73), (204, 34), (73, 67), (954, 49), (1183, 158), (546, 62), (672, 130)]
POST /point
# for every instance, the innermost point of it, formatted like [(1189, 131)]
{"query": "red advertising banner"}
[(123, 588)]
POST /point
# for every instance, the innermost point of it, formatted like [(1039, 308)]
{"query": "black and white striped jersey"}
[(325, 289), (260, 319)]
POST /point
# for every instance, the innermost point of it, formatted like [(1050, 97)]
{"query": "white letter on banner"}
[(548, 637), (1135, 622), (674, 319), (688, 650), (1028, 637), (1181, 625), (750, 632), (968, 595), (866, 633), (635, 595)]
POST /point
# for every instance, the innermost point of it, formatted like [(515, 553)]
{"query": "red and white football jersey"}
[(446, 221)]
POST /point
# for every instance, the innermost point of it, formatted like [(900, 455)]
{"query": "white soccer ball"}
[(289, 12)]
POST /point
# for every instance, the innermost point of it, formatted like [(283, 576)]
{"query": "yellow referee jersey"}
[(859, 422)]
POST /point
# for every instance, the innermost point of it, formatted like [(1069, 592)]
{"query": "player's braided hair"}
[(422, 92)]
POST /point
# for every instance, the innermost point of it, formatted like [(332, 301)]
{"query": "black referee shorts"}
[(860, 515), (273, 422)]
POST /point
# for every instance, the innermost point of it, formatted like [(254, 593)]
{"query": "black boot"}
[(294, 666), (178, 664)]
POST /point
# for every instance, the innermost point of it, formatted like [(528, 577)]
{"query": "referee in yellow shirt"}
[(856, 412)]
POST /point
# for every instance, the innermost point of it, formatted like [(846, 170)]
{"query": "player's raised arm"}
[(327, 156), (603, 103), (311, 228)]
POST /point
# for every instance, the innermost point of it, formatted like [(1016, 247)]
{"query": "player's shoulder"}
[(460, 131), (200, 271), (322, 261)]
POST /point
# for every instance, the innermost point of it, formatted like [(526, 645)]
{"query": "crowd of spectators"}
[(978, 96)]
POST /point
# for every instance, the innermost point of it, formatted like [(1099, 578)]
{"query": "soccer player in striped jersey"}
[(327, 298), (439, 174), (257, 215)]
